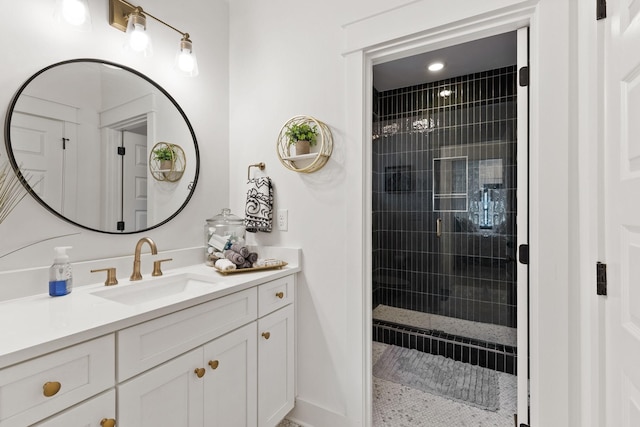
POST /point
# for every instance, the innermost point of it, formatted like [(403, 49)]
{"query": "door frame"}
[(359, 64)]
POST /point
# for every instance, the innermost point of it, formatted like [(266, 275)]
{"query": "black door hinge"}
[(120, 225), (601, 278), (64, 143), (523, 254), (601, 9), (121, 151), (523, 76)]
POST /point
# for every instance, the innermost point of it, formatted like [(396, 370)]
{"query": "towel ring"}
[(260, 166)]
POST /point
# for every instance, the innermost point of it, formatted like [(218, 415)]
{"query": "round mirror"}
[(85, 137)]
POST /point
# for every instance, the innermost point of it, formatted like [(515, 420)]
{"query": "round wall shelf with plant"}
[(167, 162), (304, 144)]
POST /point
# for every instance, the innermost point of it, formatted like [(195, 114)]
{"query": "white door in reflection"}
[(47, 152), (134, 176)]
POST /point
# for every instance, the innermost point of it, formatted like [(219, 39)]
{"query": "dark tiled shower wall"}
[(469, 272)]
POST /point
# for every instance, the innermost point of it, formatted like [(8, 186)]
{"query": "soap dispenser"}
[(60, 280)]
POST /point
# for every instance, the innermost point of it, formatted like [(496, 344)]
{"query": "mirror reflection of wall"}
[(86, 128)]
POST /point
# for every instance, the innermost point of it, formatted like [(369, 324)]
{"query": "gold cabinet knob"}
[(199, 372), (108, 422), (280, 295), (51, 388), (214, 364), (266, 335)]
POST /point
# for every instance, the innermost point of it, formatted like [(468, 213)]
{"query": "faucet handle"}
[(111, 275), (156, 266)]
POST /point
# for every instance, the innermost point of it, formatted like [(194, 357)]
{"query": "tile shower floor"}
[(466, 328)]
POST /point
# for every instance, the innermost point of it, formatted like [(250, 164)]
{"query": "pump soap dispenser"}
[(60, 280)]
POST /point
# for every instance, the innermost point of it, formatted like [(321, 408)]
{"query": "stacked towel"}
[(259, 208), (225, 264), (234, 257), (242, 250), (240, 256), (252, 257)]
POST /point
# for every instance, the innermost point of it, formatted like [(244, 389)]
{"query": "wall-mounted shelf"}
[(305, 163), (167, 170)]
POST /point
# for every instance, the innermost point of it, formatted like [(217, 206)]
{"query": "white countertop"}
[(39, 324)]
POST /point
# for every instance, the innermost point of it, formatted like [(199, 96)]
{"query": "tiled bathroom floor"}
[(395, 405)]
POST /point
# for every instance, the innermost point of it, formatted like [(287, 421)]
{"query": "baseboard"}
[(308, 414)]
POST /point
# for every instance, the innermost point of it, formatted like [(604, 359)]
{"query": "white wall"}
[(286, 60), (36, 41)]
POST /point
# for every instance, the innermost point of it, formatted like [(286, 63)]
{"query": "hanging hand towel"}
[(259, 208)]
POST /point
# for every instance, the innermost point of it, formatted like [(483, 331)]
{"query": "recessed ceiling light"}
[(436, 66)]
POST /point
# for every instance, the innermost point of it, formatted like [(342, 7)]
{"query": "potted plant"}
[(166, 156), (302, 136)]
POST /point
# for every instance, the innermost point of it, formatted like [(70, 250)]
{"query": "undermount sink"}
[(144, 291)]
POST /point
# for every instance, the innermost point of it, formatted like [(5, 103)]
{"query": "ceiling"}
[(472, 57)]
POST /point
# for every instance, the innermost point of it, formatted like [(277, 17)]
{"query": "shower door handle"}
[(438, 227)]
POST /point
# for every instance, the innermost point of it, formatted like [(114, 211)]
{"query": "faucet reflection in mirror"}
[(133, 21)]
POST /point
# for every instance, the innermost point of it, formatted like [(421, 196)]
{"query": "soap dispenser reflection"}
[(60, 279)]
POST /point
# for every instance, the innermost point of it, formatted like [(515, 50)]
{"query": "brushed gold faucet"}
[(136, 257)]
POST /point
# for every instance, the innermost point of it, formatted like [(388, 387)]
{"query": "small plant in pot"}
[(302, 136), (166, 156)]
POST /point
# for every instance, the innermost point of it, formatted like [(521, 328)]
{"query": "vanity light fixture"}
[(73, 13), (133, 20), (435, 66)]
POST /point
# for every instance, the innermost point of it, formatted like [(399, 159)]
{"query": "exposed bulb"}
[(138, 40), (186, 61), (74, 12)]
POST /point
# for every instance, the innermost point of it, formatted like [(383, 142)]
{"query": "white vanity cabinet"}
[(225, 362), (99, 411), (276, 384), (33, 390), (235, 376), (213, 385)]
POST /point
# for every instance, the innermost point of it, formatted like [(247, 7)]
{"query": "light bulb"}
[(74, 12), (436, 66), (138, 40), (186, 61)]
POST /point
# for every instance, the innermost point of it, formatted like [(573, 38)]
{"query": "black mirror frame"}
[(16, 169)]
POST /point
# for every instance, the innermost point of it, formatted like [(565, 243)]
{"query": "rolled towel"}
[(246, 264), (252, 257), (242, 250), (234, 257), (225, 265)]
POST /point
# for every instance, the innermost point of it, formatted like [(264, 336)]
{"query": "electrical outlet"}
[(283, 219)]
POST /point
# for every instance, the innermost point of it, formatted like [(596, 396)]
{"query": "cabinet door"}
[(88, 414), (231, 381), (275, 366), (169, 395)]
